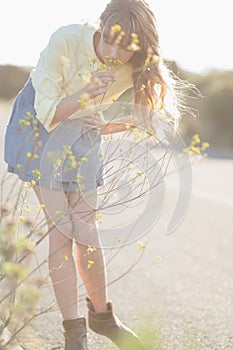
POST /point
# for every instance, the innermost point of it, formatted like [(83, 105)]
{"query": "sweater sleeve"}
[(47, 79)]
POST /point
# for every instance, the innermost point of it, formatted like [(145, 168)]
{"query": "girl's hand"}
[(122, 124), (113, 127), (98, 85), (93, 121)]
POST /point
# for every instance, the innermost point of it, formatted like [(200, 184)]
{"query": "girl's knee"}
[(60, 243), (88, 237), (61, 232)]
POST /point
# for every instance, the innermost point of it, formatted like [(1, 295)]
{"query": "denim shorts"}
[(69, 158)]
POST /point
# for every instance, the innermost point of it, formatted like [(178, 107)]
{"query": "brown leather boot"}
[(75, 334), (110, 326)]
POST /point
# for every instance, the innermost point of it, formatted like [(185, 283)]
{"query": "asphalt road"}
[(180, 294)]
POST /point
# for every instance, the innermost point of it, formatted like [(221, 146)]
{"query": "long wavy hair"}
[(153, 83)]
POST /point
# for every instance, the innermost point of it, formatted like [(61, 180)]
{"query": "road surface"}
[(180, 294)]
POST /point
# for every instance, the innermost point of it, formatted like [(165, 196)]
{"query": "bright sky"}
[(196, 34)]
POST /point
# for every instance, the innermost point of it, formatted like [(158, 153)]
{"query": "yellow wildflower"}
[(141, 245), (162, 105), (134, 45), (156, 59), (40, 207), (21, 218), (205, 145), (29, 115), (98, 217), (27, 208), (117, 238), (64, 60), (24, 122), (37, 173), (195, 139), (114, 29), (85, 96), (195, 150), (87, 75), (90, 264), (27, 184), (79, 177), (119, 38), (150, 132), (73, 162), (149, 56), (91, 249)]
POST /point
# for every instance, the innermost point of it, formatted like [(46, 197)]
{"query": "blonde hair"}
[(153, 84)]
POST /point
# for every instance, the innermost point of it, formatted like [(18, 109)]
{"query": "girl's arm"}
[(71, 104), (114, 127), (123, 124)]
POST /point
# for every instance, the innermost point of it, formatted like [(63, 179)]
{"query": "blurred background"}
[(192, 38)]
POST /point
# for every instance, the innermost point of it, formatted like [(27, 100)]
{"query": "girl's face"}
[(113, 52)]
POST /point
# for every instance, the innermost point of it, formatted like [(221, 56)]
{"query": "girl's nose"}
[(114, 52)]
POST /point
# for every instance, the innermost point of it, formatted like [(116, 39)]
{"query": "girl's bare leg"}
[(90, 257), (94, 278), (61, 261)]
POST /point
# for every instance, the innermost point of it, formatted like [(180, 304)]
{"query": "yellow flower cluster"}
[(115, 64), (29, 120), (73, 162), (117, 29), (32, 156), (37, 173), (196, 146), (91, 249), (64, 60), (114, 29), (83, 100), (141, 245), (40, 207), (134, 45), (98, 217), (150, 58)]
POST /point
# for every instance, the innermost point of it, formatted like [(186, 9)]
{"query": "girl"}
[(53, 121)]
